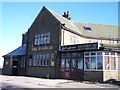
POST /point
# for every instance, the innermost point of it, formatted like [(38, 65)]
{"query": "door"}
[(65, 68), (68, 68), (72, 67), (15, 68), (80, 69)]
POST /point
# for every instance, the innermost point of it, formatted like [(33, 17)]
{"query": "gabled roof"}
[(20, 51), (98, 31), (62, 20)]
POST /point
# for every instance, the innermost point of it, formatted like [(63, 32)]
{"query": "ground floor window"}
[(93, 61), (80, 63), (67, 63), (52, 59), (110, 60), (42, 60), (62, 63), (30, 62), (22, 62), (72, 61), (37, 60), (34, 60)]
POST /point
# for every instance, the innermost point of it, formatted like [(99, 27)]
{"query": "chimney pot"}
[(67, 15)]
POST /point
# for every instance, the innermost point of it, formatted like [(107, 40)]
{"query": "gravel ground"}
[(31, 82)]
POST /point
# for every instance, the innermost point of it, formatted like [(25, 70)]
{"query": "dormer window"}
[(87, 28)]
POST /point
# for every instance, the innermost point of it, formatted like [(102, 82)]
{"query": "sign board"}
[(86, 46)]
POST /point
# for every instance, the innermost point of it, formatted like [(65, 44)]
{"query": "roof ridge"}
[(65, 19), (96, 23), (71, 25)]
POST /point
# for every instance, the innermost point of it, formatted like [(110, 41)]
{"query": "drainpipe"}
[(26, 55)]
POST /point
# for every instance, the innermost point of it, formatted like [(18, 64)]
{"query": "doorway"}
[(72, 66), (15, 68)]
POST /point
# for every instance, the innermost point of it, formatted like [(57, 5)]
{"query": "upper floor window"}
[(48, 38), (44, 38), (41, 39), (74, 39), (36, 39)]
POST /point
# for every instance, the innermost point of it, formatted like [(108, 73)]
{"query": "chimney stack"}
[(67, 15), (24, 39)]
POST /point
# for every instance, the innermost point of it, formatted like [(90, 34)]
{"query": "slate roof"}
[(20, 51), (63, 20), (97, 30)]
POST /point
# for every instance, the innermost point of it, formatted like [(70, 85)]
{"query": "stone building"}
[(56, 47)]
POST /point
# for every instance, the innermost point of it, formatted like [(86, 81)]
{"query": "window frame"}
[(88, 55), (110, 60), (52, 62), (22, 63), (30, 62), (48, 38), (36, 39)]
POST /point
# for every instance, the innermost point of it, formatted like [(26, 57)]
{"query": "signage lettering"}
[(87, 46)]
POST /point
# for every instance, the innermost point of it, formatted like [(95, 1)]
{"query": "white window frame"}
[(116, 56), (96, 60)]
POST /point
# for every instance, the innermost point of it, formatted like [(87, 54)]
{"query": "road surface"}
[(8, 82)]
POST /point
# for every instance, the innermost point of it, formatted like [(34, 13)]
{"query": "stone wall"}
[(96, 76), (43, 72), (110, 75), (43, 23)]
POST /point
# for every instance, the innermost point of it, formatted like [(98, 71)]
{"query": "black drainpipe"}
[(26, 55)]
